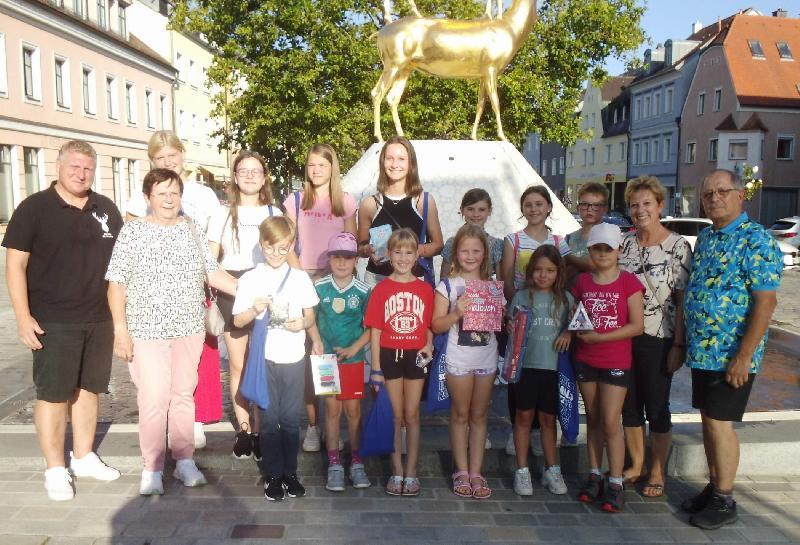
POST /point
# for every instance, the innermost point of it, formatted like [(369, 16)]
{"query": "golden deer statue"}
[(472, 49)]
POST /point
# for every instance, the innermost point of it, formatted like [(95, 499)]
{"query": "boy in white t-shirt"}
[(290, 297)]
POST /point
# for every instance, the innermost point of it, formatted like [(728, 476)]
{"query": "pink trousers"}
[(165, 375)]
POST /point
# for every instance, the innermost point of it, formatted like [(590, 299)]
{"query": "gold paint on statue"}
[(471, 49)]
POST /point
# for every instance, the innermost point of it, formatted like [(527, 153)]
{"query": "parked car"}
[(691, 227), (616, 218), (787, 230)]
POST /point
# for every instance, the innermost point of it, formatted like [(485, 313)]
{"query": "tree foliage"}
[(301, 71)]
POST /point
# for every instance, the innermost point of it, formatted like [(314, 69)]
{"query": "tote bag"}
[(377, 436)]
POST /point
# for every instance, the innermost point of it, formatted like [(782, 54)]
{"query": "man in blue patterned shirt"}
[(729, 302)]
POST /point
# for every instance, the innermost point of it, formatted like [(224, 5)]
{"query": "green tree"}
[(301, 71)]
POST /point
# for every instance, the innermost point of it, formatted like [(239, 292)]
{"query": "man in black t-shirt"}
[(59, 243)]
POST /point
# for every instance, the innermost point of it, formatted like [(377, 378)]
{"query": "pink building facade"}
[(67, 74)]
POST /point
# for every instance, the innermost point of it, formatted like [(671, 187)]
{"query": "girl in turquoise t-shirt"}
[(537, 389)]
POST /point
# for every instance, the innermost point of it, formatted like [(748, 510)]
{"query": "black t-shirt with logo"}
[(69, 253)]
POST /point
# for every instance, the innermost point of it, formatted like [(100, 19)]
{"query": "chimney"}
[(697, 26), (780, 12)]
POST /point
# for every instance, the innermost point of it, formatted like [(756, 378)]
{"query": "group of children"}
[(398, 318)]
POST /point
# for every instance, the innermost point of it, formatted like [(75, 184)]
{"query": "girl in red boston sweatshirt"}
[(399, 314)]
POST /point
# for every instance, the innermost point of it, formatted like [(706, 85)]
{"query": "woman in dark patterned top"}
[(661, 260)]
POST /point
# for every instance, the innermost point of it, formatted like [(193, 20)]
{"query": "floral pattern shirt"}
[(666, 266), (729, 265)]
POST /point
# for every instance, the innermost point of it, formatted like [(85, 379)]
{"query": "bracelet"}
[(377, 372)]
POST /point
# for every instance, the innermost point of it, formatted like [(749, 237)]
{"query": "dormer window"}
[(784, 51), (755, 49)]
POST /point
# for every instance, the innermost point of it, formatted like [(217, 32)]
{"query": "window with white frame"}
[(179, 64), (784, 51), (571, 159), (195, 130), (668, 99), (182, 128), (102, 13), (585, 157), (132, 177), (622, 156), (561, 164), (130, 102), (3, 67), (122, 20), (667, 148), (150, 106), (755, 49), (645, 153), (89, 87), (62, 83), (691, 152), (656, 150), (713, 149), (192, 73), (6, 184), (112, 97), (31, 73), (636, 153), (615, 116), (31, 160), (81, 8), (637, 113), (544, 167), (737, 150), (785, 151), (553, 166), (608, 153), (164, 112), (717, 100), (701, 103), (116, 181), (657, 104), (591, 156), (647, 106)]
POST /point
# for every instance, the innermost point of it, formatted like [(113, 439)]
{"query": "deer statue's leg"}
[(378, 92), (414, 9), (491, 90), (479, 109), (395, 94), (489, 9), (499, 9), (387, 12)]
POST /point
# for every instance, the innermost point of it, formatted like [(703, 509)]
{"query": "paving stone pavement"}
[(231, 510)]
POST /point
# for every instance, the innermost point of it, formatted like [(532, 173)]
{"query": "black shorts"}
[(717, 399), (650, 385), (397, 363), (612, 377), (74, 356), (537, 389), (225, 304)]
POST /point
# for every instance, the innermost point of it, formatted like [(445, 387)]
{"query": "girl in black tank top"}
[(397, 214)]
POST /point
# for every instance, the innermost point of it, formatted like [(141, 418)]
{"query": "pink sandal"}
[(461, 485), (480, 486)]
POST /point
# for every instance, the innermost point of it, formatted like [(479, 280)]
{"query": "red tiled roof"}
[(767, 81), (614, 86)]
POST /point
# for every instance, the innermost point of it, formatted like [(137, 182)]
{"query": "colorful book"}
[(325, 373), (379, 237), (487, 308), (517, 344)]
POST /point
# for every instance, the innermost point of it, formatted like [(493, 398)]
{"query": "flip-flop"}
[(659, 488), (461, 484)]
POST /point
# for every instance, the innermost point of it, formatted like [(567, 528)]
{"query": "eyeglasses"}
[(721, 193), (591, 205), (271, 250), (249, 172)]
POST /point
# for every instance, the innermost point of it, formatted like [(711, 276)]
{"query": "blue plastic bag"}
[(377, 435), (438, 397), (567, 398), (254, 384)]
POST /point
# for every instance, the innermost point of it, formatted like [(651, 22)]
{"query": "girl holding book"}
[(613, 301), (471, 360), (536, 204), (536, 393), (399, 314), (476, 207)]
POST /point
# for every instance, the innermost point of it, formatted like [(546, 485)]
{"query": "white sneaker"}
[(553, 481), (511, 449), (312, 441), (186, 471), (151, 483), (58, 484), (199, 435), (92, 466), (536, 443), (522, 482)]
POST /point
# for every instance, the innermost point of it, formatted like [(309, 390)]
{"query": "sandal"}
[(656, 490), (394, 486), (411, 486), (480, 487), (461, 485)]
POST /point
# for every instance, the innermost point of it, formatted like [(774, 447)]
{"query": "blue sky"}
[(672, 19)]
